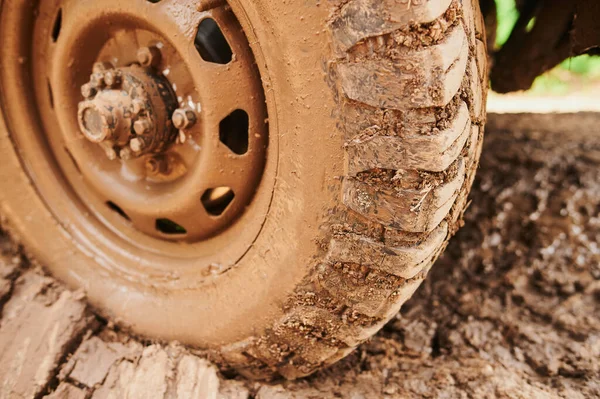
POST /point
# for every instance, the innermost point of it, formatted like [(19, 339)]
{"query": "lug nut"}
[(88, 91), (97, 80), (111, 154), (112, 78), (137, 145), (100, 67), (141, 126), (137, 106), (148, 56), (125, 154), (183, 118)]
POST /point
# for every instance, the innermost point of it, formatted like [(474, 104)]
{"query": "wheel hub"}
[(127, 110)]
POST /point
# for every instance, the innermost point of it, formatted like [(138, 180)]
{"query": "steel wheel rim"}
[(206, 248)]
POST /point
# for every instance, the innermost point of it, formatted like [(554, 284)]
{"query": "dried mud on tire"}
[(512, 309), (392, 94)]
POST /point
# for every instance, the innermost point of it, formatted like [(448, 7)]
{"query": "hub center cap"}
[(128, 110)]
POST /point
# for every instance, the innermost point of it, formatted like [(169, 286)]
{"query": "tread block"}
[(321, 319), (367, 291), (411, 210), (428, 77), (478, 20), (474, 151), (482, 56), (398, 298), (238, 355), (433, 153), (361, 19), (474, 146), (307, 335), (467, 10), (363, 290), (359, 119), (476, 91), (405, 262)]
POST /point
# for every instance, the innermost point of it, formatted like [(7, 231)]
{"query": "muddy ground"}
[(512, 309)]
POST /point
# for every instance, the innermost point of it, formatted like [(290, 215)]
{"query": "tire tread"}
[(393, 234)]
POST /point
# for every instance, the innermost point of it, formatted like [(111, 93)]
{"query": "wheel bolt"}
[(125, 154), (183, 118), (97, 80), (100, 67), (112, 78), (148, 56), (88, 91), (111, 154), (138, 106), (137, 145), (141, 126)]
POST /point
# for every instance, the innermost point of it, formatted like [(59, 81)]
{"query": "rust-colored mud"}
[(512, 309)]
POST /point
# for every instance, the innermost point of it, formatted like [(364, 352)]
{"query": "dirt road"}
[(511, 310)]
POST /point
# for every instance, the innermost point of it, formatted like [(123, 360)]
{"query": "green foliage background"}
[(577, 71)]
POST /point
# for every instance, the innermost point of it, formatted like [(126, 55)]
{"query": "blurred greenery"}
[(573, 73), (507, 18)]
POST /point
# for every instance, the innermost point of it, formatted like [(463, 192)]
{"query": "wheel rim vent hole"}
[(234, 131), (217, 200), (169, 227), (117, 209), (57, 26), (50, 95), (212, 44)]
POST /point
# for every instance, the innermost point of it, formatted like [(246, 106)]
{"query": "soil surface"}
[(512, 309)]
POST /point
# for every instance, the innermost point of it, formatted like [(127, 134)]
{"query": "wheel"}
[(269, 181)]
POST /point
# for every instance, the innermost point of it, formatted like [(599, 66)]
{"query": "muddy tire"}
[(375, 122)]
